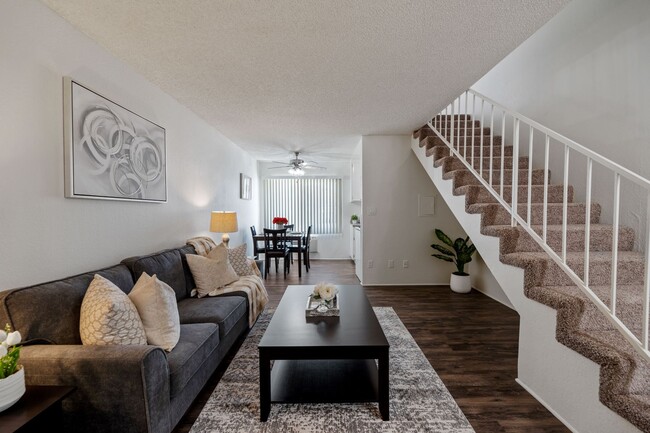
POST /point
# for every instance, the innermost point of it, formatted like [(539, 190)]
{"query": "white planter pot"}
[(279, 226), (460, 283), (11, 389)]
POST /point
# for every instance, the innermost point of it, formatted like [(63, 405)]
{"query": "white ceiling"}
[(311, 75)]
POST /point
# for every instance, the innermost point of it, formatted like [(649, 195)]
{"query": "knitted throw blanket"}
[(202, 245), (252, 285), (254, 288)]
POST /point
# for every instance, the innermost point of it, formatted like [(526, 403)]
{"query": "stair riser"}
[(547, 273), (460, 132), (632, 315), (430, 139), (628, 306), (496, 215), (423, 132), (478, 194), (451, 164), (457, 123), (440, 151), (464, 177), (517, 240), (454, 116)]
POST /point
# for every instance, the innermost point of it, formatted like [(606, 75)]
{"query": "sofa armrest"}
[(118, 388), (260, 267)]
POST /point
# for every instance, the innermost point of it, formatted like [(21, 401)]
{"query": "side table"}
[(39, 409)]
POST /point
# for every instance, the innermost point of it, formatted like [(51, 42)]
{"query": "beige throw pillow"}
[(156, 304), (239, 261), (109, 317), (212, 272)]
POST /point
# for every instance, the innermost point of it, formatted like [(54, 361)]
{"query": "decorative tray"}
[(315, 308)]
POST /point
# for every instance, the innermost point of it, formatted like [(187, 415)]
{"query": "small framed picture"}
[(245, 187)]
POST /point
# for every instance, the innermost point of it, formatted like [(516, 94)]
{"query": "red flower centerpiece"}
[(280, 222)]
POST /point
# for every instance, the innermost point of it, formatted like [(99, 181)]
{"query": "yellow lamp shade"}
[(224, 222)]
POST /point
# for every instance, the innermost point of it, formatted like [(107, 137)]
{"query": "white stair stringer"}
[(565, 382)]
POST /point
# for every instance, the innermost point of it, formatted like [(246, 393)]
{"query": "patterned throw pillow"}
[(108, 317), (239, 262), (156, 304), (212, 272)]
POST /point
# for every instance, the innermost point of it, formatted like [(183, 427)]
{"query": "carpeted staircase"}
[(624, 375)]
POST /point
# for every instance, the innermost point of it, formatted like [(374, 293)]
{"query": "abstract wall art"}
[(111, 153)]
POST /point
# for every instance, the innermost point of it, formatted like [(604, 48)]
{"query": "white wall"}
[(585, 75), (45, 236), (392, 180), (329, 246)]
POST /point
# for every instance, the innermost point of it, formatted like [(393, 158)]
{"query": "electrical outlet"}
[(391, 264), (405, 263), (371, 264)]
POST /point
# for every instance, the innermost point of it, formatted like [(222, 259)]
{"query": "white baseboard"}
[(549, 408), (347, 259), (408, 284)]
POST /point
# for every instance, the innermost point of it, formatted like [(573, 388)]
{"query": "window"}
[(304, 202)]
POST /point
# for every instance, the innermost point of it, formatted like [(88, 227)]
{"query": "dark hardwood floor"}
[(470, 340)]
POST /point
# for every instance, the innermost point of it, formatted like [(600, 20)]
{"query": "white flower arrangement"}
[(9, 352), (325, 291)]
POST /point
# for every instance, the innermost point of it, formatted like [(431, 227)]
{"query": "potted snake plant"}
[(458, 252)]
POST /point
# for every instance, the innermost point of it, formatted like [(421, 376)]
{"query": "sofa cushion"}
[(187, 272), (156, 304), (239, 261), (223, 310), (108, 317), (167, 266), (211, 273), (196, 344), (49, 312)]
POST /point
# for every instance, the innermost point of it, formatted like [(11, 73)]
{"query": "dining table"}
[(291, 237)]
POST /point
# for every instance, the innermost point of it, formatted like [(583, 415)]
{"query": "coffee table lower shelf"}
[(334, 380), (324, 381)]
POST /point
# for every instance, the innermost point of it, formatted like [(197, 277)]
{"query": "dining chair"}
[(256, 248), (304, 249), (291, 228), (275, 245)]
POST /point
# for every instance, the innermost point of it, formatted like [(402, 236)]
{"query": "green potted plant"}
[(12, 375), (460, 253), (354, 219)]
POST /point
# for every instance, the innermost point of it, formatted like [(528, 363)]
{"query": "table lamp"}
[(224, 222)]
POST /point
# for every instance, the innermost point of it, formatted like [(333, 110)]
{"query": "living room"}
[(47, 236)]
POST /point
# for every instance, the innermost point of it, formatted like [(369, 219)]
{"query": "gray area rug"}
[(419, 401)]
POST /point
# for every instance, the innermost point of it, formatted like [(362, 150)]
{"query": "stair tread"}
[(540, 204), (600, 256), (626, 293), (558, 227)]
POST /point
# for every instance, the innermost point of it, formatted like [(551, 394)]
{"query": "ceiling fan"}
[(297, 166)]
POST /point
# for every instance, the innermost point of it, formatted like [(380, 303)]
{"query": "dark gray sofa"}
[(124, 388)]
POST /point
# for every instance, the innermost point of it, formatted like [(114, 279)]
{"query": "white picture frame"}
[(111, 153), (245, 187)]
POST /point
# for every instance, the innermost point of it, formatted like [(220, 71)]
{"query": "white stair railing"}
[(447, 126)]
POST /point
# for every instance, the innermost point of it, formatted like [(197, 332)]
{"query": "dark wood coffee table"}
[(330, 359), (38, 410)]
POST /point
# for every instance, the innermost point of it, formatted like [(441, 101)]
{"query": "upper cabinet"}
[(356, 190)]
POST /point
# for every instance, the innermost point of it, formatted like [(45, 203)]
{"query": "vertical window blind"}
[(314, 201)]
